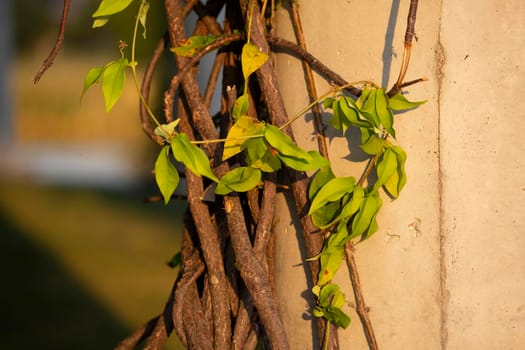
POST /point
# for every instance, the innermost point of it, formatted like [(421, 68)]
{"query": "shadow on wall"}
[(42, 306)]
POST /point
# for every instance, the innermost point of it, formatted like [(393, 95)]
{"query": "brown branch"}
[(409, 35), (254, 275), (213, 78), (187, 65), (310, 82), (48, 62), (315, 63), (362, 309)]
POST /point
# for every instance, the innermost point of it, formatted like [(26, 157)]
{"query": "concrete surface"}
[(446, 269)]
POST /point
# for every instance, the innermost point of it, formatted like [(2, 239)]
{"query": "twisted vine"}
[(223, 296)]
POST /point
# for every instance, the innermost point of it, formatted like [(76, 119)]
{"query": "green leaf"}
[(331, 258), (92, 77), (166, 175), (113, 82), (143, 16), (338, 120), (260, 155), (319, 180), (194, 44), (192, 156), (351, 113), (325, 216), (312, 161), (368, 109), (327, 103), (252, 59), (354, 203), (373, 145), (240, 106), (291, 154), (243, 127), (384, 112), (398, 180), (100, 22), (367, 212), (240, 179), (166, 131), (337, 316), (399, 102), (110, 7), (332, 191), (386, 166)]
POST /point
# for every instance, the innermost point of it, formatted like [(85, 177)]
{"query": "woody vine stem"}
[(223, 296)]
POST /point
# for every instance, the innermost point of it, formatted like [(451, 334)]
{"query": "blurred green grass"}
[(81, 267)]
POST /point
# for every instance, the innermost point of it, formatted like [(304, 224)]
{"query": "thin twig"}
[(48, 62), (145, 89), (409, 35), (362, 309), (310, 82)]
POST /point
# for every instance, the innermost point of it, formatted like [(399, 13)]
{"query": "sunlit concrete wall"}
[(447, 268)]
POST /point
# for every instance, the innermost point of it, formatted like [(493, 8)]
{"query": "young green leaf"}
[(143, 15), (319, 180), (113, 81), (92, 77), (367, 212), (351, 113), (337, 316), (110, 7), (373, 145), (325, 217), (192, 156), (100, 22), (331, 258), (368, 109), (194, 44), (166, 175), (283, 143), (332, 191), (252, 59), (395, 184), (167, 131), (338, 120), (240, 106), (386, 166), (384, 112), (399, 102), (259, 155), (243, 127), (240, 179), (311, 161)]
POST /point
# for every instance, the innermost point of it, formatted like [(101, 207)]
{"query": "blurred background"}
[(83, 257)]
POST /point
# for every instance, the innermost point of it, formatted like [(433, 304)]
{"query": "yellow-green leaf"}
[(400, 103), (166, 175), (143, 15), (240, 106), (384, 112), (191, 156), (398, 180), (110, 7), (251, 59), (386, 166), (244, 126), (92, 76), (113, 82), (367, 212), (194, 44), (240, 179), (332, 191)]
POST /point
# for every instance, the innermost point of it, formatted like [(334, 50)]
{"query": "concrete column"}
[(445, 270)]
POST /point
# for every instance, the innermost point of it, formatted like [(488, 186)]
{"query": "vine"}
[(227, 244)]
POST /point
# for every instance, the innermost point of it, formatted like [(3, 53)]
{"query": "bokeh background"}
[(82, 255)]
